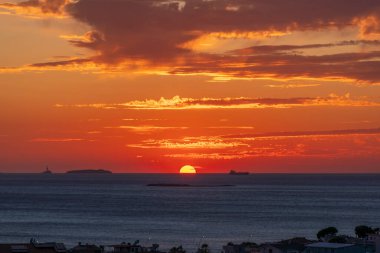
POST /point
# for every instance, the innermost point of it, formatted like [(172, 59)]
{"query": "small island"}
[(189, 185), (99, 171)]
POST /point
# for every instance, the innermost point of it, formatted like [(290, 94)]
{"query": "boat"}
[(47, 171), (234, 172)]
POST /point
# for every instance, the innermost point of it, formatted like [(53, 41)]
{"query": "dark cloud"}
[(354, 66), (271, 49), (60, 63), (307, 133), (155, 31), (45, 6)]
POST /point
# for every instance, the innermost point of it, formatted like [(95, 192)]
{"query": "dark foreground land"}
[(367, 240)]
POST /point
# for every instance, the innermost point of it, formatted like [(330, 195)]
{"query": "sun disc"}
[(187, 169)]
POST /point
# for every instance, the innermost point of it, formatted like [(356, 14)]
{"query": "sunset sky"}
[(151, 85)]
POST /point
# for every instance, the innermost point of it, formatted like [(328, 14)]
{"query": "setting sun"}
[(188, 169)]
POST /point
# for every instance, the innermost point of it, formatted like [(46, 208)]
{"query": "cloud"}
[(367, 148), (179, 103), (211, 156), (232, 127), (204, 142), (277, 144), (57, 140), (75, 64), (39, 8), (149, 119), (306, 133), (244, 140), (369, 26), (148, 129), (271, 49), (212, 16), (290, 86), (157, 30), (162, 35), (358, 67), (61, 63)]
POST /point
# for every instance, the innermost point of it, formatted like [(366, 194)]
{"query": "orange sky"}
[(152, 85)]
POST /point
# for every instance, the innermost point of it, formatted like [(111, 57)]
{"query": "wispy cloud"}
[(292, 85), (204, 142), (232, 127), (70, 64), (368, 131), (57, 140), (210, 156), (243, 140), (296, 49), (134, 119), (179, 103), (94, 132), (278, 144), (148, 129)]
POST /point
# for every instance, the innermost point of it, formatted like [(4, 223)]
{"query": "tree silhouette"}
[(363, 231), (338, 239), (178, 249), (330, 231), (204, 249)]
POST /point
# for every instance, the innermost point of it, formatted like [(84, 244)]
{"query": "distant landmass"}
[(189, 185), (89, 172), (233, 172)]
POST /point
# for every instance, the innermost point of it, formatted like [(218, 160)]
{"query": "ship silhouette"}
[(47, 171), (234, 172)]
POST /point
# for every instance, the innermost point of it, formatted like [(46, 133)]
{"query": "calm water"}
[(106, 209)]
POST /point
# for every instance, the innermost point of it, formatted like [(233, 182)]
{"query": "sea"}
[(215, 209)]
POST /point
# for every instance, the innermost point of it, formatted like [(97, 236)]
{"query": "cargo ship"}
[(234, 172)]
